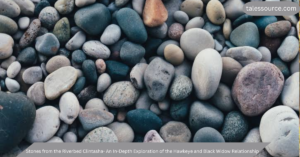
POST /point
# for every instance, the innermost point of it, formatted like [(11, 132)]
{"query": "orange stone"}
[(155, 13)]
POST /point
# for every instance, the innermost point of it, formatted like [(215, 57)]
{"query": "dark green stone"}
[(89, 71), (62, 30), (151, 46), (142, 120), (79, 85), (132, 25), (242, 19), (17, 114), (132, 53), (117, 71), (27, 56), (264, 21), (40, 6), (282, 66), (180, 109), (78, 56)]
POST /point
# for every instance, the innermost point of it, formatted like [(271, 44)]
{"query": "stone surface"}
[(282, 66), (89, 71), (196, 22), (31, 33), (70, 137), (132, 53), (36, 93), (154, 13), (96, 103), (234, 8), (117, 70), (230, 70), (227, 28), (159, 31), (96, 49), (123, 131), (9, 8), (173, 54), (80, 3), (153, 136), (175, 31), (244, 54), (104, 81), (181, 88), (23, 22), (48, 17), (222, 99), (100, 135), (6, 46), (26, 6), (175, 132), (32, 75), (288, 49), (57, 62), (69, 107), (192, 7), (138, 6), (179, 110), (64, 6), (278, 29), (290, 92), (181, 17), (111, 34), (266, 54), (13, 69), (47, 44), (253, 136), (246, 34), (162, 46), (76, 41), (12, 85), (94, 117), (62, 30), (257, 87), (215, 12), (137, 75), (27, 56), (264, 21), (7, 25), (208, 134)]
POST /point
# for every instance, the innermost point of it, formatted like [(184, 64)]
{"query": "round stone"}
[(104, 81), (253, 136), (196, 22), (123, 131), (175, 132), (195, 40), (64, 6), (55, 139), (76, 41), (100, 66), (48, 17), (161, 48), (27, 56), (32, 75), (94, 117), (137, 75), (181, 88), (278, 29), (222, 98), (234, 8), (246, 34), (230, 69), (290, 92), (173, 54), (111, 34), (96, 49), (208, 134), (69, 107), (12, 85), (70, 137), (9, 8), (57, 62), (36, 93), (288, 49), (132, 53), (266, 54), (256, 88), (154, 13), (78, 56), (47, 44), (23, 22), (175, 31), (192, 7), (215, 12), (13, 69), (181, 17), (7, 25), (153, 136), (101, 135)]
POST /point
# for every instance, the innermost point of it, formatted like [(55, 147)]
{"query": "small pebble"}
[(13, 69), (70, 137)]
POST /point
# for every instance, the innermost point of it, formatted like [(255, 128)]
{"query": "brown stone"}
[(31, 33), (278, 29), (173, 54), (57, 62), (175, 31), (193, 8), (155, 13), (100, 66), (271, 43), (256, 88), (231, 68)]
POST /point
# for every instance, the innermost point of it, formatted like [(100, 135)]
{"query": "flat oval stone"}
[(111, 34), (123, 131), (134, 30), (64, 6), (244, 54), (246, 34), (57, 62), (55, 139), (101, 135), (13, 69), (256, 87), (96, 49), (23, 22), (45, 125), (154, 13), (137, 75), (203, 114), (36, 93), (231, 68), (100, 66), (195, 40), (173, 54), (94, 117), (278, 29), (192, 7), (215, 12), (27, 56), (138, 6), (59, 82), (47, 44), (181, 17), (80, 3), (76, 41), (153, 136), (70, 137), (12, 85), (288, 49), (120, 94), (69, 107), (142, 120), (78, 56), (234, 8), (6, 46), (9, 8), (208, 134), (26, 6), (18, 110), (181, 88), (132, 53), (96, 103), (196, 22), (104, 81), (206, 73), (87, 18), (290, 92), (157, 78), (48, 17), (253, 136), (32, 75), (79, 85), (31, 33), (281, 123), (222, 99), (227, 28), (175, 132), (62, 30), (266, 54), (121, 3), (264, 21), (7, 25)]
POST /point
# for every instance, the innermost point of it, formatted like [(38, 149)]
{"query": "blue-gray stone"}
[(132, 53), (116, 70), (211, 28), (78, 56), (264, 21), (282, 66), (40, 6), (180, 109), (242, 19), (89, 71), (27, 56), (246, 34), (79, 85), (208, 134)]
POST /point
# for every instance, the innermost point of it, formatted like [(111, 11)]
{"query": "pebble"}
[(244, 54), (222, 99), (242, 19), (64, 7), (206, 73), (255, 96), (111, 34), (121, 115), (290, 92), (192, 8), (203, 114), (23, 22), (9, 8), (192, 36), (123, 131), (12, 85), (266, 54), (94, 117), (132, 53), (89, 71), (282, 66), (100, 135), (62, 30), (2, 74), (184, 68), (288, 49), (55, 139), (179, 110), (271, 43), (208, 134), (211, 28), (144, 101), (57, 62), (181, 88), (45, 125), (181, 17), (6, 46), (227, 28), (47, 44), (246, 34), (59, 82), (153, 136), (32, 75), (235, 127), (233, 8), (196, 22), (6, 63), (36, 93), (134, 30), (215, 12), (155, 109), (100, 66), (159, 31), (278, 29), (40, 6), (295, 65), (70, 137), (87, 18), (13, 69), (27, 56), (154, 13), (26, 6), (31, 33), (96, 49), (138, 6), (253, 136), (104, 81), (79, 85), (142, 120), (96, 103), (17, 109), (117, 70), (69, 107), (162, 46), (280, 123), (7, 25), (76, 41), (175, 132), (87, 94), (175, 31), (137, 75), (48, 17), (264, 21), (173, 54), (80, 3), (157, 77), (121, 94)]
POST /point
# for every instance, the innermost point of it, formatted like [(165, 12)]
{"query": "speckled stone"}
[(175, 132), (100, 135), (208, 134), (181, 88)]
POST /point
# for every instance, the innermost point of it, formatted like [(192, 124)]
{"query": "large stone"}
[(256, 88), (155, 13), (278, 29), (158, 77), (246, 34), (181, 88), (222, 99), (192, 8), (48, 17), (290, 92), (47, 44), (36, 93), (62, 30), (57, 62), (31, 33), (234, 8), (206, 73), (26, 6), (17, 114), (64, 6), (132, 53), (96, 49), (230, 69), (123, 131), (59, 82)]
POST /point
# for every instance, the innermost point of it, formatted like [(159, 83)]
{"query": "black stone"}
[(89, 71), (79, 85), (132, 53), (27, 56), (117, 71), (87, 94), (40, 6)]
